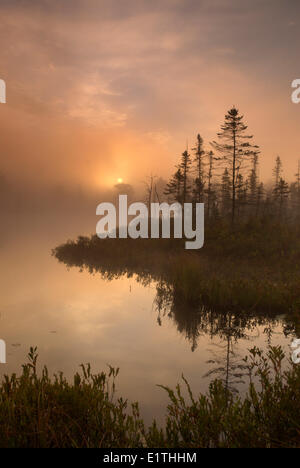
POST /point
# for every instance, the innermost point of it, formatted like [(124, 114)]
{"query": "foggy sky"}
[(98, 90)]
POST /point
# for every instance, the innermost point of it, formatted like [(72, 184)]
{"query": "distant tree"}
[(210, 193), (259, 198), (225, 192), (150, 191), (198, 159), (185, 166), (298, 177), (277, 171), (268, 205), (295, 194), (281, 193), (281, 189), (125, 189), (242, 192), (235, 149), (174, 186), (253, 183)]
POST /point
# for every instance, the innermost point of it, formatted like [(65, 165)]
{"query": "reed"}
[(39, 411)]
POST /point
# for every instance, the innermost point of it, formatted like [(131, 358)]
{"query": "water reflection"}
[(225, 328), (111, 315)]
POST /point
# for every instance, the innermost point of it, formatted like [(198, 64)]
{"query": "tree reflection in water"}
[(193, 319)]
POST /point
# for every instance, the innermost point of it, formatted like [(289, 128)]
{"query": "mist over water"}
[(75, 317)]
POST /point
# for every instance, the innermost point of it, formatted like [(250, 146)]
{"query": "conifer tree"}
[(281, 193), (295, 194), (174, 187), (235, 149), (185, 167), (259, 198), (198, 159), (242, 189), (225, 192), (277, 171), (210, 193), (253, 182)]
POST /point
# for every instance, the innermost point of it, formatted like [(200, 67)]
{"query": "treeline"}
[(226, 179)]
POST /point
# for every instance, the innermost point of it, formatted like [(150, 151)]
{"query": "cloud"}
[(161, 70)]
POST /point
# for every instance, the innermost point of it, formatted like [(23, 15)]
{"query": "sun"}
[(120, 180)]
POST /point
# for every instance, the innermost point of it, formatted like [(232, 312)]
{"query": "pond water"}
[(74, 317)]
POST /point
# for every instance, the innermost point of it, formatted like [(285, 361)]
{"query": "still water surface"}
[(74, 317)]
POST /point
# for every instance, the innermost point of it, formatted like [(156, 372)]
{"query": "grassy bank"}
[(253, 267), (39, 411)]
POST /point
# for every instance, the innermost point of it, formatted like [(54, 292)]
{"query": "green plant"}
[(37, 411)]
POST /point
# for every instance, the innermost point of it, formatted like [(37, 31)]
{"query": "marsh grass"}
[(255, 267), (39, 411)]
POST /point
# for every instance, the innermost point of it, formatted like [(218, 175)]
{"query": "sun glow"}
[(120, 180)]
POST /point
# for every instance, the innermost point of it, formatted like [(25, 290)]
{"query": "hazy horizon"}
[(103, 91)]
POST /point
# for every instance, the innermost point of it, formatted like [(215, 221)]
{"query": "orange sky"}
[(98, 90)]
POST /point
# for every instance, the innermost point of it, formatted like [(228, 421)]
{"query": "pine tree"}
[(295, 194), (279, 188), (225, 192), (281, 193), (198, 159), (253, 183), (235, 150), (242, 189), (210, 193), (149, 191), (174, 187), (277, 171), (298, 177), (259, 198), (185, 167)]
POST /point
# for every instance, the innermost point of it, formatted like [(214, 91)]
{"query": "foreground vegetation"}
[(39, 411)]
